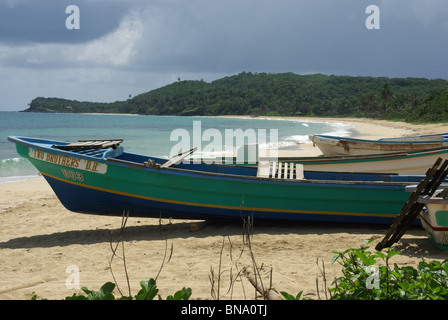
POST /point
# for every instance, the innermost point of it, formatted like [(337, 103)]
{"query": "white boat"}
[(401, 163), (428, 137), (342, 146), (435, 218), (404, 163)]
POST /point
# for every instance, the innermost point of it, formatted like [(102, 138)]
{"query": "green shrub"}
[(363, 279), (288, 296), (148, 291)]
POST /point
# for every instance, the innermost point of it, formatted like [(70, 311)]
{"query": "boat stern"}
[(435, 220)]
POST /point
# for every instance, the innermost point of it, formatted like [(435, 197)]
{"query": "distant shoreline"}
[(107, 114), (368, 128)]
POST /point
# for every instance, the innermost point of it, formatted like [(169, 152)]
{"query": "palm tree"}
[(386, 92)]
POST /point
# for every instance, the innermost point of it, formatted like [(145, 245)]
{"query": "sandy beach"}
[(42, 244)]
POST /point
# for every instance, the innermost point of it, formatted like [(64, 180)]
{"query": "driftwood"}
[(267, 293)]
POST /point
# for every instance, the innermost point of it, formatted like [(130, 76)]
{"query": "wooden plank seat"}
[(90, 144), (280, 170)]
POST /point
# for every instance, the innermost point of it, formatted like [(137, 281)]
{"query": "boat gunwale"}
[(414, 137), (432, 200), (366, 158), (381, 142), (131, 164)]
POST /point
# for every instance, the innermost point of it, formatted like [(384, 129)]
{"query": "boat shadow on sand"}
[(415, 244)]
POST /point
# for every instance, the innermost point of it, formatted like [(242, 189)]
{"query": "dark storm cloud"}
[(305, 36), (272, 36), (223, 35), (43, 21), (228, 36)]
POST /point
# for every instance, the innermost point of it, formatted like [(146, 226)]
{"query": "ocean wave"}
[(17, 178), (14, 169), (339, 129), (298, 139), (13, 160)]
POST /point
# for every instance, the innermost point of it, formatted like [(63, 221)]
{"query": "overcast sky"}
[(127, 47)]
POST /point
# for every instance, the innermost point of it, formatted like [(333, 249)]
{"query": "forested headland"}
[(285, 94)]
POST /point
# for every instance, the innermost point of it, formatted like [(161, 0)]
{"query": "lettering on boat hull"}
[(71, 162)]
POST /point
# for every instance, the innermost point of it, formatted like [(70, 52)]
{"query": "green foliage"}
[(288, 296), (432, 109), (148, 291), (428, 282), (365, 279), (183, 294), (286, 94)]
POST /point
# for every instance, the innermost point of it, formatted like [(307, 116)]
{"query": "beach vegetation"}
[(283, 94), (258, 275), (368, 275), (288, 296), (149, 291)]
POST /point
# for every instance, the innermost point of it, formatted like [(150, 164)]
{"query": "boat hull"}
[(427, 137), (435, 220), (112, 186), (405, 166), (339, 146), (412, 163)]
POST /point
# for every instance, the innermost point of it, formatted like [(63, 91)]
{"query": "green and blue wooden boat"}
[(101, 178)]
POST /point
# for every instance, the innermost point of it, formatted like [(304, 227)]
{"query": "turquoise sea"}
[(148, 135)]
